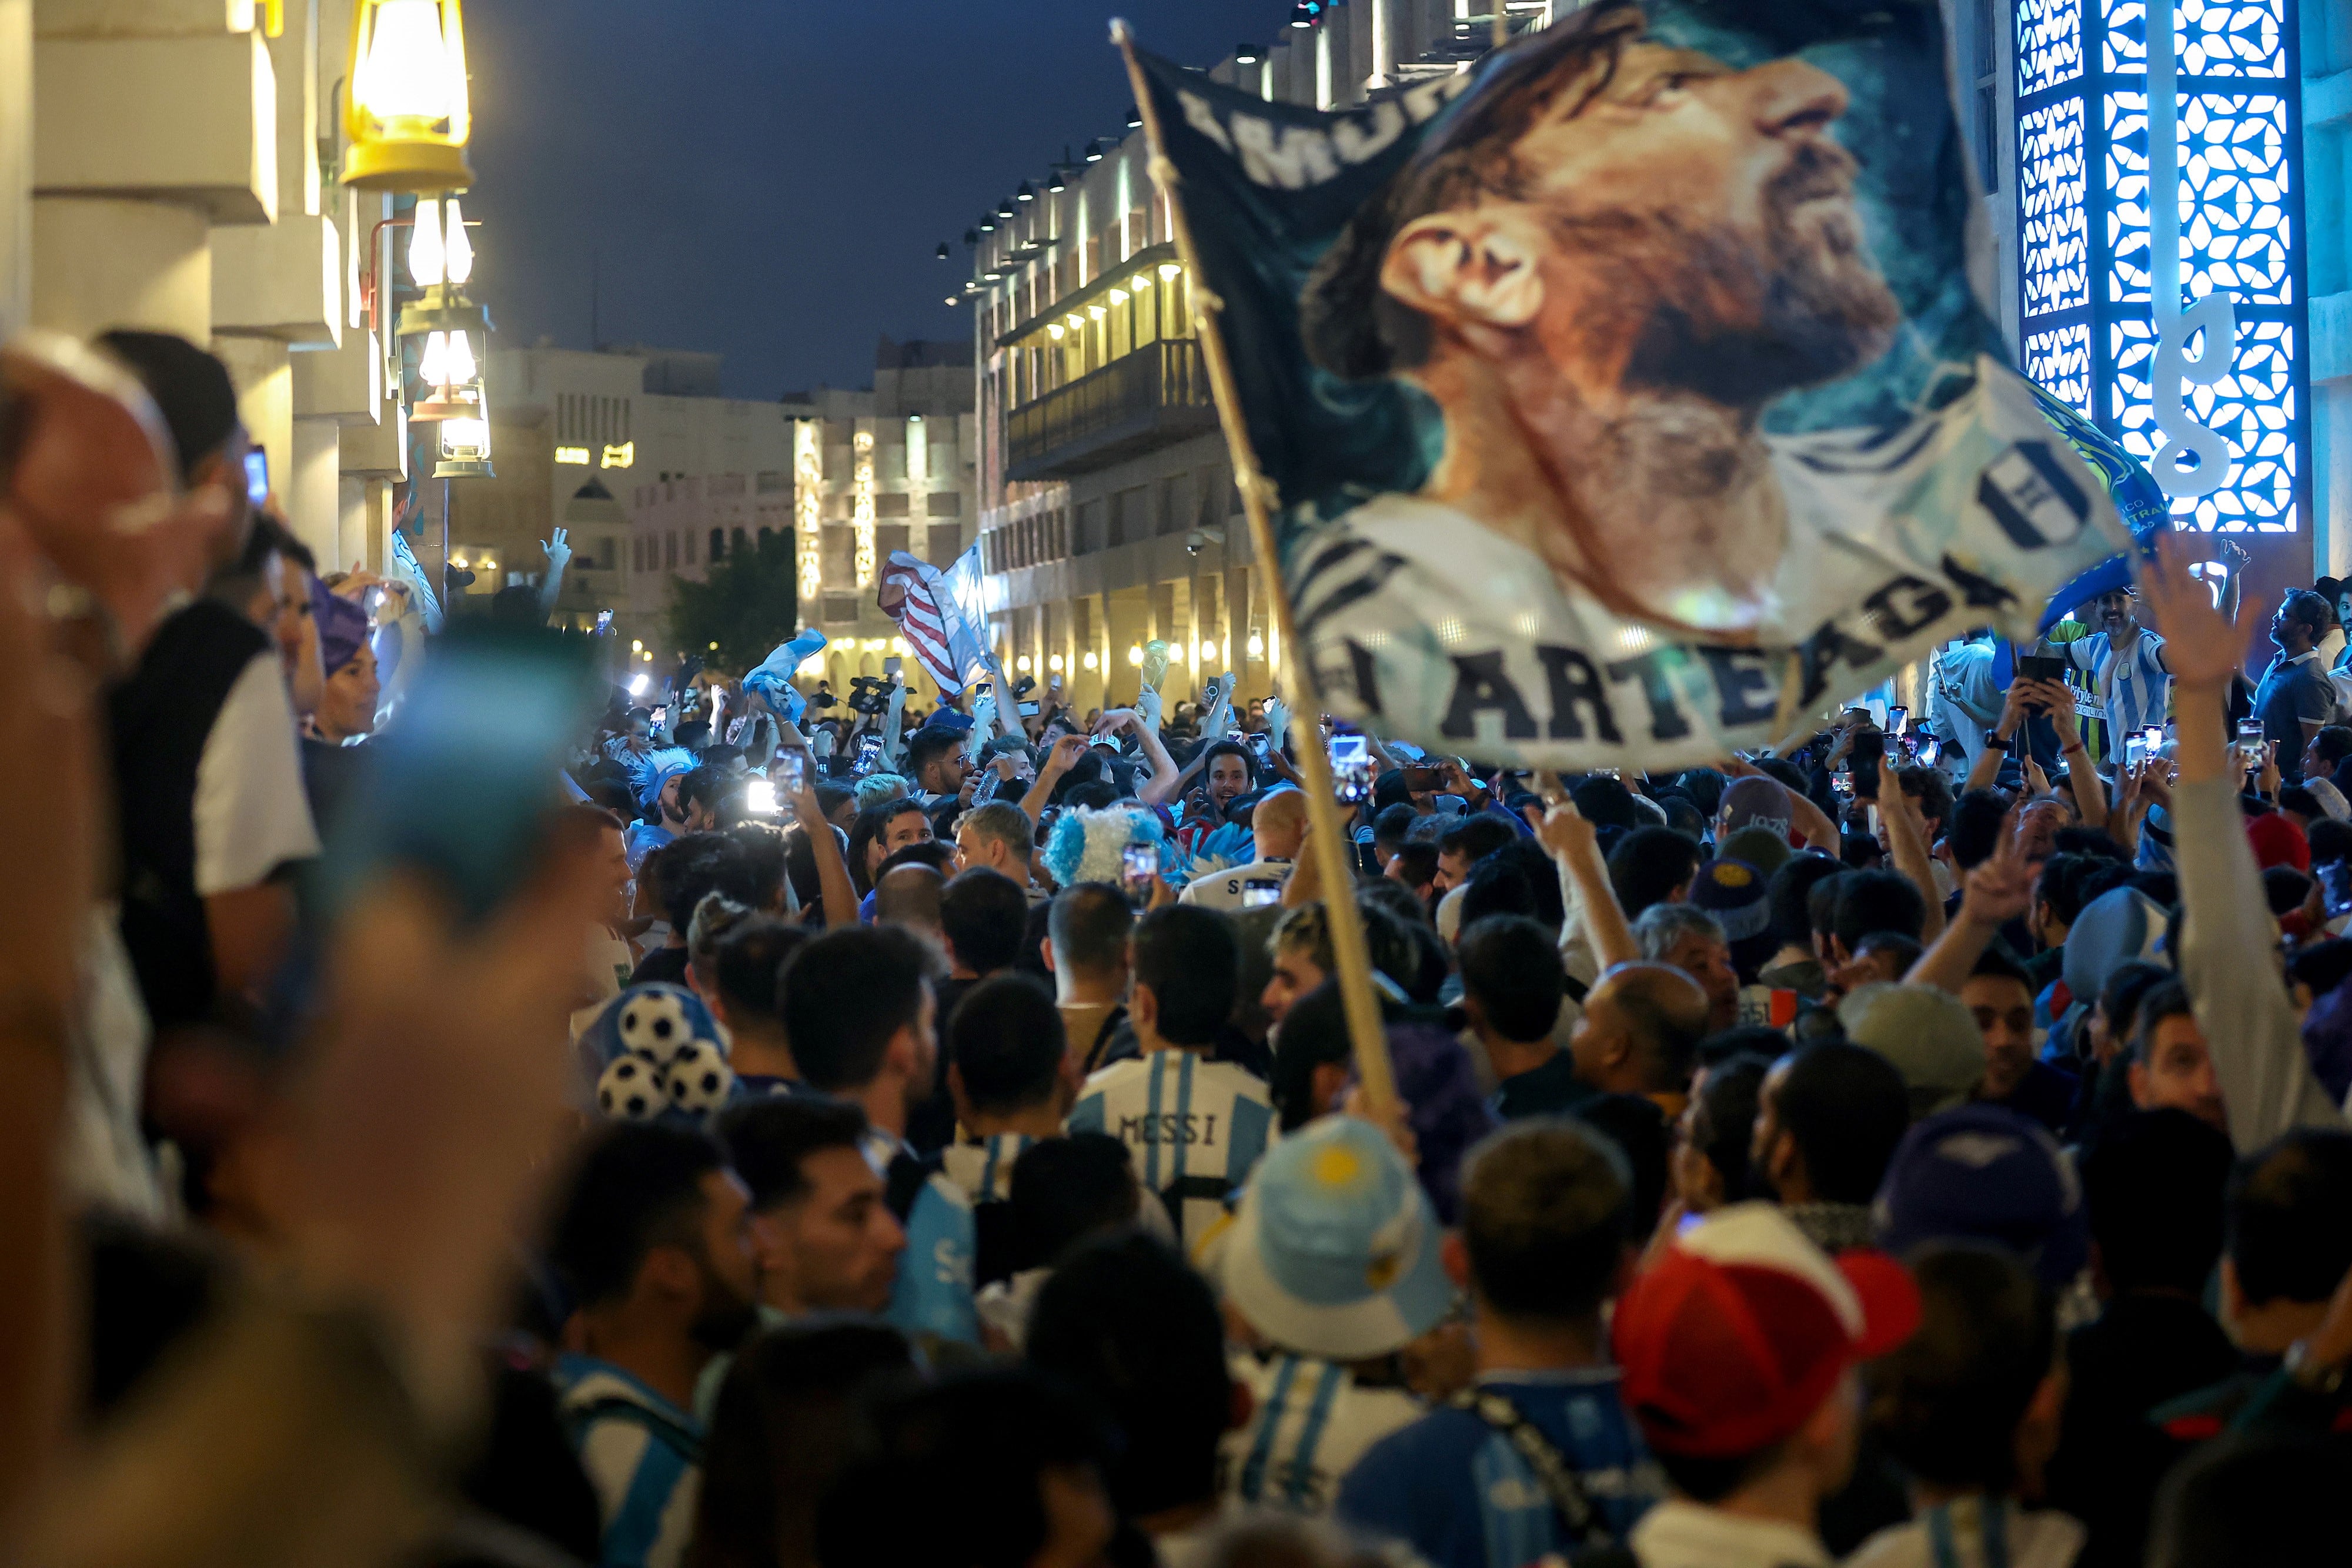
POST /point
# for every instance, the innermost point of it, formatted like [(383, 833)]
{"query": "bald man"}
[(1278, 828), (909, 896), (1640, 1031)]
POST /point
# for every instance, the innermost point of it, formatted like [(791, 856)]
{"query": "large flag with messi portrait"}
[(1627, 399)]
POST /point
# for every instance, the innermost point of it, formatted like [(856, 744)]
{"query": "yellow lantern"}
[(407, 115)]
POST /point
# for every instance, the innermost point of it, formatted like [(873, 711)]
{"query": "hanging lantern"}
[(407, 116)]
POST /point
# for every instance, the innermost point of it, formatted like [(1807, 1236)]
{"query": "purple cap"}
[(1979, 1172)]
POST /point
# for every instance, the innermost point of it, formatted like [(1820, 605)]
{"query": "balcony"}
[(1158, 394)]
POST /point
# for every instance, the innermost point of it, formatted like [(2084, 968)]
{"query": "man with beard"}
[(1604, 267), (652, 1243), (2125, 663)]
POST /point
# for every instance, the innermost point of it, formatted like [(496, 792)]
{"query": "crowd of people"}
[(855, 1131)]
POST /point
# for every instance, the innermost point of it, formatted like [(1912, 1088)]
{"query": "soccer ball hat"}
[(656, 1052), (1334, 1249), (1735, 1337)]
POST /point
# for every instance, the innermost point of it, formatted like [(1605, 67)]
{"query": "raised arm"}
[(2090, 792), (839, 895), (1058, 761), (550, 582), (1906, 844), (1166, 781), (1573, 842), (1986, 766), (1992, 894), (2227, 953)]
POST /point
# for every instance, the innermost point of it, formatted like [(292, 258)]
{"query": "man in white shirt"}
[(1277, 829)]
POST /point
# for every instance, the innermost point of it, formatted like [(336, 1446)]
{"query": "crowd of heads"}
[(967, 1132)]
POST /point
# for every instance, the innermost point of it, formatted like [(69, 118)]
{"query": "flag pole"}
[(1330, 841)]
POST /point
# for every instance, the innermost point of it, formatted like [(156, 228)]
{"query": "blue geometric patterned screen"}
[(2083, 226)]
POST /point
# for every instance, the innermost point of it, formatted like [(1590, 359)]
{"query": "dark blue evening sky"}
[(769, 180)]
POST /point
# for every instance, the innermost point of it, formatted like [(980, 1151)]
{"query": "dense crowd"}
[(854, 1130)]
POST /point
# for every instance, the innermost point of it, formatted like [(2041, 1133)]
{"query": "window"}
[(947, 503), (946, 542), (637, 554), (689, 547), (888, 537), (669, 552), (735, 541), (718, 545), (767, 537)]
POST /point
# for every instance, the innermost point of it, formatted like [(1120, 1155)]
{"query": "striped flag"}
[(933, 610)]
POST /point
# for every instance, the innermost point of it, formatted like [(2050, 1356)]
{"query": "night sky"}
[(768, 179)]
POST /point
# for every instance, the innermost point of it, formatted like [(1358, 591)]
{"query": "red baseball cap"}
[(1739, 1333)]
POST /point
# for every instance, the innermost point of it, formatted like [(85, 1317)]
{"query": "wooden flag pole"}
[(1328, 835)]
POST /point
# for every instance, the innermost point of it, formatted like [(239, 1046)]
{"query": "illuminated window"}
[(2085, 306), (621, 456), (573, 455)]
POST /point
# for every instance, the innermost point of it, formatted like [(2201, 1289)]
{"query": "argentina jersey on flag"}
[(1192, 1127)]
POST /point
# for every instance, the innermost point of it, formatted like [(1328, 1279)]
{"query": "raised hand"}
[(1567, 834), (2201, 646), (2000, 888), (558, 552), (1277, 722)]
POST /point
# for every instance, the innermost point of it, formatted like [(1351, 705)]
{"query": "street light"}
[(1245, 54), (1134, 118), (407, 116)]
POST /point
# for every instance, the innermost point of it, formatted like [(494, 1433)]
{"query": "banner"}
[(1625, 400)]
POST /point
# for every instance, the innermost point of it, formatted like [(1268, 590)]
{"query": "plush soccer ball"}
[(700, 1078), (631, 1090), (655, 1025)]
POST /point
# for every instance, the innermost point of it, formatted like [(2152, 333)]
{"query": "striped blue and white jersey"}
[(643, 1457), (1310, 1423), (1193, 1128), (984, 1169), (932, 1297), (1458, 1491), (2132, 685)]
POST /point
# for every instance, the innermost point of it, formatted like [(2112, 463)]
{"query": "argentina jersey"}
[(1458, 1491), (1192, 1127), (1309, 1422), (933, 1296), (641, 1454), (984, 1169)]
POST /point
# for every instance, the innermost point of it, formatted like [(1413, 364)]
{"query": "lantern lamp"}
[(407, 117)]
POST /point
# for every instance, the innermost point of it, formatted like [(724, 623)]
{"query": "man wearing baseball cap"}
[(1739, 1350)]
